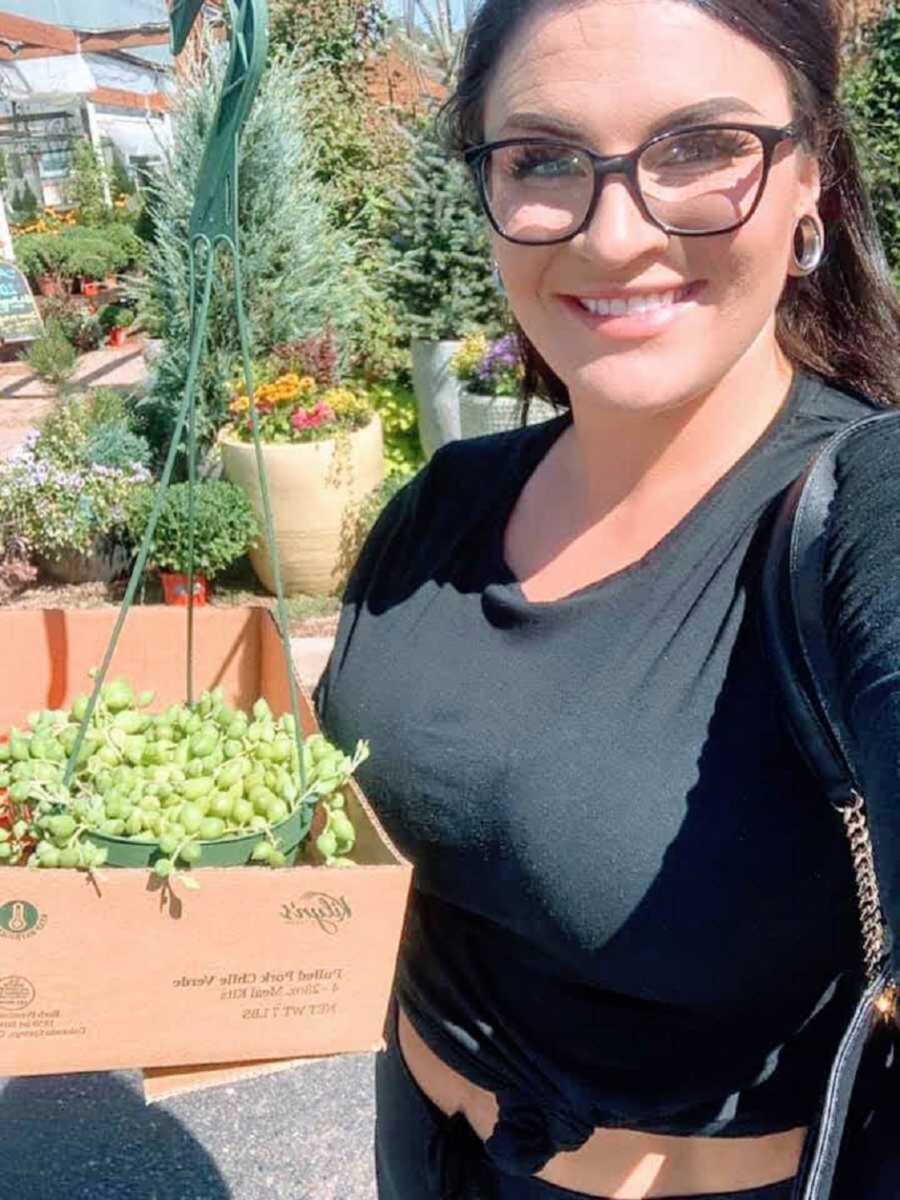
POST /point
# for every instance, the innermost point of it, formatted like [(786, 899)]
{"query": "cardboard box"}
[(121, 970)]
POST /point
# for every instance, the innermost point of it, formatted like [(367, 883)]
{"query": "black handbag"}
[(852, 1151)]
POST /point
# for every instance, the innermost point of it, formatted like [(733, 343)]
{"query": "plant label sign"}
[(19, 316)]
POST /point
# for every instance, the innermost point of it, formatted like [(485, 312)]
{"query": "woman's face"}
[(607, 74)]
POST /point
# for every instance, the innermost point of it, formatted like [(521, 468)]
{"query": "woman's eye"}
[(709, 149), (531, 164)]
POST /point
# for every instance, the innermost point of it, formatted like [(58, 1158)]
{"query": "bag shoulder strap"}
[(793, 588), (795, 635)]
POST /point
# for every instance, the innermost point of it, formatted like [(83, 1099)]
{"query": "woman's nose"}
[(618, 231)]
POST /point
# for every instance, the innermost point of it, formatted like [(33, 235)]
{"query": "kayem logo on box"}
[(20, 919), (328, 912)]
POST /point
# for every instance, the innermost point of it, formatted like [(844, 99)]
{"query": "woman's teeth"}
[(634, 304)]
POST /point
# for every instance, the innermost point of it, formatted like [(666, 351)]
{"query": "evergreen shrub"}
[(299, 272), (52, 357), (441, 266), (113, 444), (86, 184), (872, 95)]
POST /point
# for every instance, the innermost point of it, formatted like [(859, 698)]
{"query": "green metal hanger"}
[(213, 224)]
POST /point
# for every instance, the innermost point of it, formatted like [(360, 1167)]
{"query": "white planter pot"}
[(437, 393), (494, 414), (315, 497)]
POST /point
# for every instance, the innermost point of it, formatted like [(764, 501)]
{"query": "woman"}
[(632, 941)]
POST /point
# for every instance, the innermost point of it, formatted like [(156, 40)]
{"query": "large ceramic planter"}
[(437, 393), (316, 489), (494, 414), (101, 565)]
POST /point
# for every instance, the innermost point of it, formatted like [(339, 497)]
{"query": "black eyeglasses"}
[(694, 182)]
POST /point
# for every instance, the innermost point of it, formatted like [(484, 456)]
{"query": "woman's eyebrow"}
[(703, 110)]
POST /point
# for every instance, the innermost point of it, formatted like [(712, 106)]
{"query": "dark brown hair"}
[(843, 321)]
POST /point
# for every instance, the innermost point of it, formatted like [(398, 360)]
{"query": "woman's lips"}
[(656, 311)]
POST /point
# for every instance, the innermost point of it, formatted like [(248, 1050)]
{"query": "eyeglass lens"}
[(694, 182)]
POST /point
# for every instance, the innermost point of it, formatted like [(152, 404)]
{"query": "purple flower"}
[(502, 355)]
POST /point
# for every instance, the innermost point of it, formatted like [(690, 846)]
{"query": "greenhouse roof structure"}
[(91, 16)]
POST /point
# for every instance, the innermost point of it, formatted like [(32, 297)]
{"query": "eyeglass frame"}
[(771, 137)]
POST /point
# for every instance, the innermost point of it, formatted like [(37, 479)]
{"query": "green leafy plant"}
[(441, 268), (224, 523), (115, 316), (872, 94), (52, 357), (395, 403)]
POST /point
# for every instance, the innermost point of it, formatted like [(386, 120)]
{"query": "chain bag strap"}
[(794, 632)]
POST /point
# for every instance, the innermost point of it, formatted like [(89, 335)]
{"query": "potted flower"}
[(69, 513), (491, 375), (224, 529), (323, 453), (115, 320)]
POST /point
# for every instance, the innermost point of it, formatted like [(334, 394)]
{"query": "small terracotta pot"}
[(116, 337), (175, 589), (111, 280), (91, 287)]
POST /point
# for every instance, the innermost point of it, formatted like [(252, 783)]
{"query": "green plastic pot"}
[(224, 852)]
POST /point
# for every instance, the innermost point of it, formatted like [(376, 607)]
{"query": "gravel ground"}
[(304, 1134)]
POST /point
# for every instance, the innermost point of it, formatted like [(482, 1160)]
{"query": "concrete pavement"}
[(304, 1134), (25, 399)]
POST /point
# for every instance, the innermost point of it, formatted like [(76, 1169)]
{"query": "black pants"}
[(420, 1154)]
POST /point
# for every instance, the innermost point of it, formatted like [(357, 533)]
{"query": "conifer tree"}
[(299, 273), (441, 269)]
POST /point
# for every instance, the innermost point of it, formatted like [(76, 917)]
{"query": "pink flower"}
[(312, 418)]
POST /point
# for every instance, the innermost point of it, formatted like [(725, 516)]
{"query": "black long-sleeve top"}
[(632, 905)]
